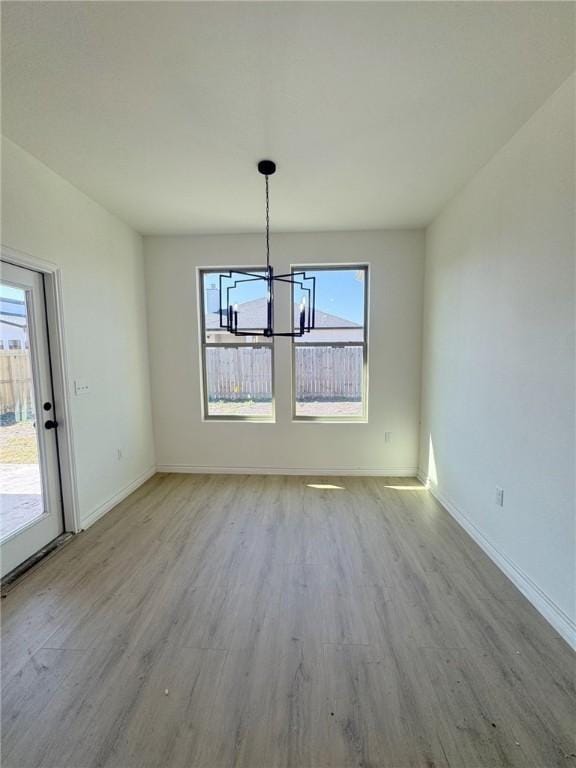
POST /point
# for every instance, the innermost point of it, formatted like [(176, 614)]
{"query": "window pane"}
[(221, 337), (329, 335), (239, 381), (340, 299), (248, 295), (21, 500), (329, 381)]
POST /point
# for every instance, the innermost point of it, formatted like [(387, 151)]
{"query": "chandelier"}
[(233, 280)]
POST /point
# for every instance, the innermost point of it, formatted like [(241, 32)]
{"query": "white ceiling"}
[(376, 113)]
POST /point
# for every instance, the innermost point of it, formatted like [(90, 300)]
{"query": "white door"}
[(30, 496)]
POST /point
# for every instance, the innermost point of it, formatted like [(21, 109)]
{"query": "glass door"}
[(30, 498)]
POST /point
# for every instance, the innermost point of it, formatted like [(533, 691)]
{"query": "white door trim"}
[(61, 379)]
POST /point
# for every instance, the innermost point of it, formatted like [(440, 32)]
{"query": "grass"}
[(18, 444)]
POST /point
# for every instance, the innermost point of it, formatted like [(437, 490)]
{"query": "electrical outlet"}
[(500, 497), (387, 437), (119, 454)]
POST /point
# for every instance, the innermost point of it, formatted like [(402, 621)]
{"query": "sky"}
[(8, 292), (338, 292)]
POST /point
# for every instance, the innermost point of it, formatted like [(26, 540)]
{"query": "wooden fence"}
[(237, 373), (328, 373), (322, 373), (16, 396), (233, 374)]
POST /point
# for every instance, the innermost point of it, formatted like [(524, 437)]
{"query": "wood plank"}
[(263, 605)]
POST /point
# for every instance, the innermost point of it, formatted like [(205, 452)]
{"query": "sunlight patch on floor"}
[(407, 487)]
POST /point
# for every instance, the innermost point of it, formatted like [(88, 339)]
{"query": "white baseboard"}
[(306, 471), (101, 510), (553, 614), (423, 479)]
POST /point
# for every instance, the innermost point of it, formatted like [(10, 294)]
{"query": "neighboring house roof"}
[(13, 322), (252, 314), (12, 307)]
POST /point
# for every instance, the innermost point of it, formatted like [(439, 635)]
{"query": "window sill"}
[(327, 420), (236, 420)]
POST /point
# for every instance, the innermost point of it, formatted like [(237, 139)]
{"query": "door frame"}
[(60, 377)]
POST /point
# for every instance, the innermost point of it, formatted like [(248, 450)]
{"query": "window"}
[(14, 344), (330, 363), (237, 370)]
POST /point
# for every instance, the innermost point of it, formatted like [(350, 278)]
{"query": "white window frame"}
[(206, 416), (298, 342)]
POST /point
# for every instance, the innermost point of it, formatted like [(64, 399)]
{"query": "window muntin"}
[(330, 363), (237, 370)]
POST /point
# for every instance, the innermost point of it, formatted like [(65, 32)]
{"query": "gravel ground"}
[(248, 408)]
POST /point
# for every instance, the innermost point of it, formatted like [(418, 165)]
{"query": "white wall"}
[(498, 362), (105, 316), (184, 441)]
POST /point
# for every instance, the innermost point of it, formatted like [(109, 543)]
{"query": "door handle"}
[(50, 424)]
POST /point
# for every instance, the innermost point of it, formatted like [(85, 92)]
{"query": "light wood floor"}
[(213, 621)]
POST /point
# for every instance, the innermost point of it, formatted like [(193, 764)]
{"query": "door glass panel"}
[(20, 482)]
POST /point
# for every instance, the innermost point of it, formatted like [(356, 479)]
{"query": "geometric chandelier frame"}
[(228, 282)]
